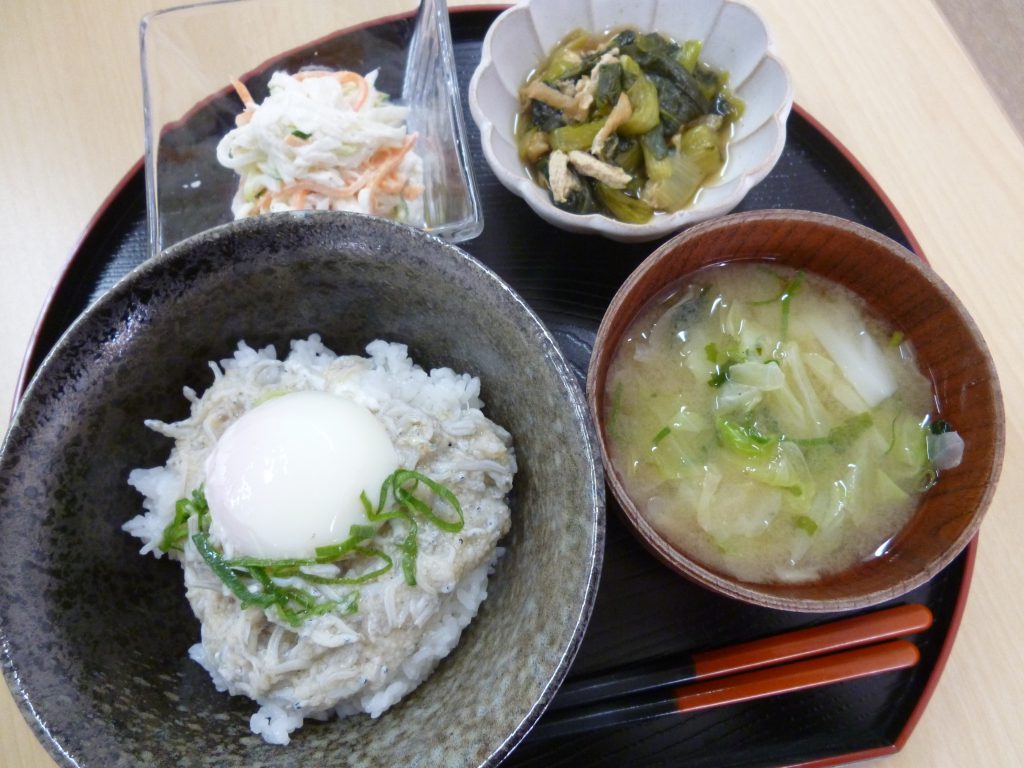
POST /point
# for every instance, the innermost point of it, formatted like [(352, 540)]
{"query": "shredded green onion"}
[(400, 486), (723, 360), (292, 604), (785, 297), (841, 436), (402, 477), (313, 578), (806, 524), (252, 579), (177, 531), (744, 440), (231, 580)]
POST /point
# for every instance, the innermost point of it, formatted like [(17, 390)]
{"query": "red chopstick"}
[(825, 638), (637, 693), (798, 676), (746, 686)]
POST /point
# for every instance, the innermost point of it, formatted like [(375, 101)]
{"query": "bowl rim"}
[(520, 184), (25, 696), (684, 565)]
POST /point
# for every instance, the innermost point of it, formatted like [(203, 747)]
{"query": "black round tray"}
[(643, 610)]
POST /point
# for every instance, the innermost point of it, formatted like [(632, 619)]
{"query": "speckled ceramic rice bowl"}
[(95, 638)]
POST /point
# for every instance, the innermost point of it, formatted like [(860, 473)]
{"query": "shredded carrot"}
[(322, 189), (243, 94), (362, 89), (308, 73), (351, 176), (392, 184), (387, 166), (345, 77), (379, 174)]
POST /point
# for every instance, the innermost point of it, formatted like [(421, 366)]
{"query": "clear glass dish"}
[(191, 54)]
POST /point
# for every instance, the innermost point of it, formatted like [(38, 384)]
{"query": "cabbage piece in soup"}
[(767, 425)]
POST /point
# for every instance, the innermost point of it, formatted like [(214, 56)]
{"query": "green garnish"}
[(662, 434), (401, 485), (806, 524), (723, 360), (313, 578), (841, 436), (231, 580), (403, 477), (254, 581), (292, 604), (301, 134), (721, 373), (743, 440), (177, 531), (785, 297)]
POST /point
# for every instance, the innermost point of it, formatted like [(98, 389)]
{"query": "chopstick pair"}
[(741, 672)]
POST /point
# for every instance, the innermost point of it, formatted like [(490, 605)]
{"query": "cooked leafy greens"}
[(271, 584), (648, 121)]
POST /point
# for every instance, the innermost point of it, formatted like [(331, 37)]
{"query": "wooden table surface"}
[(889, 79)]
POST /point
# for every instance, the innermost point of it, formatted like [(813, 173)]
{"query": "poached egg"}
[(286, 477)]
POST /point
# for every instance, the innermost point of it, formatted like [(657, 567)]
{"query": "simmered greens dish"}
[(768, 426), (625, 124)]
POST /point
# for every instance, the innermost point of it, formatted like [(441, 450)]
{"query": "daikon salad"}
[(768, 426), (323, 140)]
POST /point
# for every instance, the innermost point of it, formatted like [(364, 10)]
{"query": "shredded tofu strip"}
[(570, 105), (606, 173), (620, 113), (561, 178)]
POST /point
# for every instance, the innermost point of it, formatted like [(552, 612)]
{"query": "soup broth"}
[(767, 425)]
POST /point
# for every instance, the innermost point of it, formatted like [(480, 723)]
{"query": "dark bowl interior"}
[(898, 287), (94, 636)]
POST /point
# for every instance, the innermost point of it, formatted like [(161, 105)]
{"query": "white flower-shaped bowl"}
[(735, 40)]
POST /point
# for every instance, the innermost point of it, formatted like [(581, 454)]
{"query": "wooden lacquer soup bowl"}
[(905, 294)]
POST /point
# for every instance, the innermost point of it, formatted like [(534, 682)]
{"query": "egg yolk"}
[(286, 477)]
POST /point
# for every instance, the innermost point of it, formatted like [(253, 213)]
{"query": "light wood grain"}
[(992, 31), (889, 79)]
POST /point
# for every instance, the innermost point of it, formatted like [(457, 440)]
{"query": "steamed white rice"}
[(367, 661)]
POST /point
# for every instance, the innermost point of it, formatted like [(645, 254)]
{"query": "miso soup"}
[(767, 425)]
